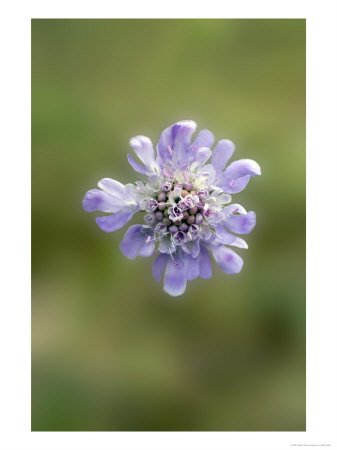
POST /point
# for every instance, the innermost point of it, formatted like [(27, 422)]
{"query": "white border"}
[(321, 225)]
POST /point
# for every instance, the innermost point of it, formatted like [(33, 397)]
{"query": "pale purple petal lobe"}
[(174, 278), (114, 221), (241, 224), (138, 240), (239, 242), (175, 140), (97, 200), (205, 138), (233, 186), (202, 155), (236, 176), (191, 267), (143, 148), (159, 265), (111, 186), (205, 265), (223, 235), (234, 208), (229, 261), (222, 153), (137, 167), (241, 168)]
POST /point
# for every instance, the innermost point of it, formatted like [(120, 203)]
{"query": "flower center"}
[(177, 210)]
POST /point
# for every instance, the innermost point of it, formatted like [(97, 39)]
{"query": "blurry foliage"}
[(110, 350)]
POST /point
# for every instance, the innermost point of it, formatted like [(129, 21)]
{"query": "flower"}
[(187, 205)]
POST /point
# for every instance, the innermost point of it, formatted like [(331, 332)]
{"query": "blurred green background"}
[(110, 350)]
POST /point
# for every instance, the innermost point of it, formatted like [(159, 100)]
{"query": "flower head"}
[(186, 205)]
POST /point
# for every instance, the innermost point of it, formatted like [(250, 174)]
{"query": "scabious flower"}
[(185, 204)]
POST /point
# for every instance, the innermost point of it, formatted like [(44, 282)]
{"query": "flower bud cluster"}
[(177, 210)]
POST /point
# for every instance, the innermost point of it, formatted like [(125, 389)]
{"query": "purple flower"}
[(186, 205)]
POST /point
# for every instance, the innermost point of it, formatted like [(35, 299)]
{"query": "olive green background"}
[(110, 350)]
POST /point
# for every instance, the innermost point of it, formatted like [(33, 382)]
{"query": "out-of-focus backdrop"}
[(110, 350)]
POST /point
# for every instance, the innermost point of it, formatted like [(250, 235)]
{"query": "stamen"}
[(174, 262), (189, 236), (235, 210), (232, 184), (169, 149), (138, 188), (148, 239)]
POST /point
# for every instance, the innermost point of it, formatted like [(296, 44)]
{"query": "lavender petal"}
[(138, 167), (205, 264), (158, 266), (222, 153), (143, 148), (111, 186), (241, 224), (229, 261), (205, 138), (233, 186), (223, 235), (97, 200), (137, 240), (114, 221), (175, 141), (202, 156), (236, 176), (191, 266), (241, 168), (174, 278)]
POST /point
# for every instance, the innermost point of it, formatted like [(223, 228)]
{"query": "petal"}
[(240, 243), (158, 266), (147, 249), (205, 138), (135, 241), (192, 248), (205, 175), (202, 156), (241, 224), (97, 200), (233, 186), (191, 267), (236, 177), (175, 140), (222, 153), (114, 221), (143, 148), (166, 245), (234, 208), (205, 265), (229, 261), (131, 244), (126, 196), (241, 168), (223, 235), (111, 186), (174, 278), (229, 239), (138, 167)]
